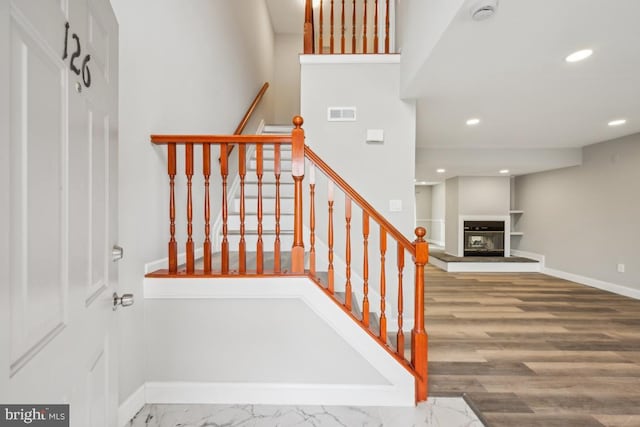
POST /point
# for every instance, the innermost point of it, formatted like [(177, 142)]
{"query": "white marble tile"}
[(436, 412)]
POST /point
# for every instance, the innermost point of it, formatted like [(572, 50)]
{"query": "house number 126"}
[(84, 68)]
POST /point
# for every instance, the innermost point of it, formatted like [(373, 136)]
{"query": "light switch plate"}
[(395, 205), (375, 136)]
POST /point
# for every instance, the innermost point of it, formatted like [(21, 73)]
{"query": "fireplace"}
[(484, 238)]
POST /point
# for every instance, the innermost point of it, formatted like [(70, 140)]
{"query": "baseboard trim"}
[(274, 394), (130, 407), (583, 280), (594, 283)]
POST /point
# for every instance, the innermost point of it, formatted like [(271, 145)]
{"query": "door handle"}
[(117, 253), (125, 300)]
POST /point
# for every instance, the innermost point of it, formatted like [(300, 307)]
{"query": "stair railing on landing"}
[(418, 249), (365, 22)]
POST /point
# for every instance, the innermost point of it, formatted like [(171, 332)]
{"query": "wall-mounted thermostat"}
[(341, 114)]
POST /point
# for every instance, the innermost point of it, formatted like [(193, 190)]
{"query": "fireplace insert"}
[(484, 238)]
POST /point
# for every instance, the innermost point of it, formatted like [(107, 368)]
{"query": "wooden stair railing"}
[(418, 250), (364, 311), (364, 27)]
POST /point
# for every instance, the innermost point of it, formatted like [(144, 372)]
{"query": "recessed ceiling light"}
[(473, 122), (441, 170), (579, 55), (504, 171), (617, 122)]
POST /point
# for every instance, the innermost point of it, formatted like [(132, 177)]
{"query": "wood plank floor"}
[(532, 350)]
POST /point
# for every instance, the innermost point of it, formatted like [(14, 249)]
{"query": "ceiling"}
[(509, 71)]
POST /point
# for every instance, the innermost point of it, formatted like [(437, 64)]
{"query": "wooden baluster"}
[(383, 285), (364, 29), (188, 169), (206, 171), (375, 29), (330, 272), (297, 170), (308, 28), (386, 28), (347, 216), (276, 244), (242, 246), (400, 334), (353, 28), (342, 30), (331, 43), (312, 219), (320, 42), (419, 338), (259, 244), (365, 269), (224, 172), (173, 245)]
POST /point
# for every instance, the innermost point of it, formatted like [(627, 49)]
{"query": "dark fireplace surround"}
[(484, 238)]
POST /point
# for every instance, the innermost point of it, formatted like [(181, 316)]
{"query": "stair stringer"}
[(399, 389)]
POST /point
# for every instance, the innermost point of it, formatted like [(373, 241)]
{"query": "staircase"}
[(263, 235), (268, 200)]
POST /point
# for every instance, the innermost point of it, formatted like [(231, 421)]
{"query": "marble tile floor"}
[(435, 412)]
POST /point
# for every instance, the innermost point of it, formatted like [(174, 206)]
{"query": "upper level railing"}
[(301, 262), (347, 26)]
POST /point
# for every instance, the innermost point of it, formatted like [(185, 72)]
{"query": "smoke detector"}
[(483, 9)]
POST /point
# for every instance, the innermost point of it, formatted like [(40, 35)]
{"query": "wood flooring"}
[(531, 350)]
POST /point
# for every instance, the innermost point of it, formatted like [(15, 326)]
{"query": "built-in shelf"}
[(516, 216)]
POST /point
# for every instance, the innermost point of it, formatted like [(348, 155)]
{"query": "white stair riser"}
[(270, 154), (268, 165), (269, 190), (268, 222), (267, 178), (268, 206), (286, 241)]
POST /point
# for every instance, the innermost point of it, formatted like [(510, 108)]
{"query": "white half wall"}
[(272, 341)]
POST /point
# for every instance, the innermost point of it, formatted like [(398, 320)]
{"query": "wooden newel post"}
[(297, 170), (308, 28), (419, 339)]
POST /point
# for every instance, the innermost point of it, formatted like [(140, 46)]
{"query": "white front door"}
[(58, 199)]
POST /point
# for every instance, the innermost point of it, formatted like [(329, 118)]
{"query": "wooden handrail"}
[(252, 107), (359, 200), (220, 139)]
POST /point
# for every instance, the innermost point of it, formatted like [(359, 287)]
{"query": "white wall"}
[(286, 77), (451, 216), (438, 211), (584, 219), (248, 341), (379, 172), (484, 195), (185, 67)]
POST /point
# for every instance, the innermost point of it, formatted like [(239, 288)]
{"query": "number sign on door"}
[(84, 68)]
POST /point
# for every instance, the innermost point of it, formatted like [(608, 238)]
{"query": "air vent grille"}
[(341, 114)]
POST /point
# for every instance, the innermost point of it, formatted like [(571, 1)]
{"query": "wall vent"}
[(341, 114)]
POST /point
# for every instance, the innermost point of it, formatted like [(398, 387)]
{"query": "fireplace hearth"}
[(484, 238)]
